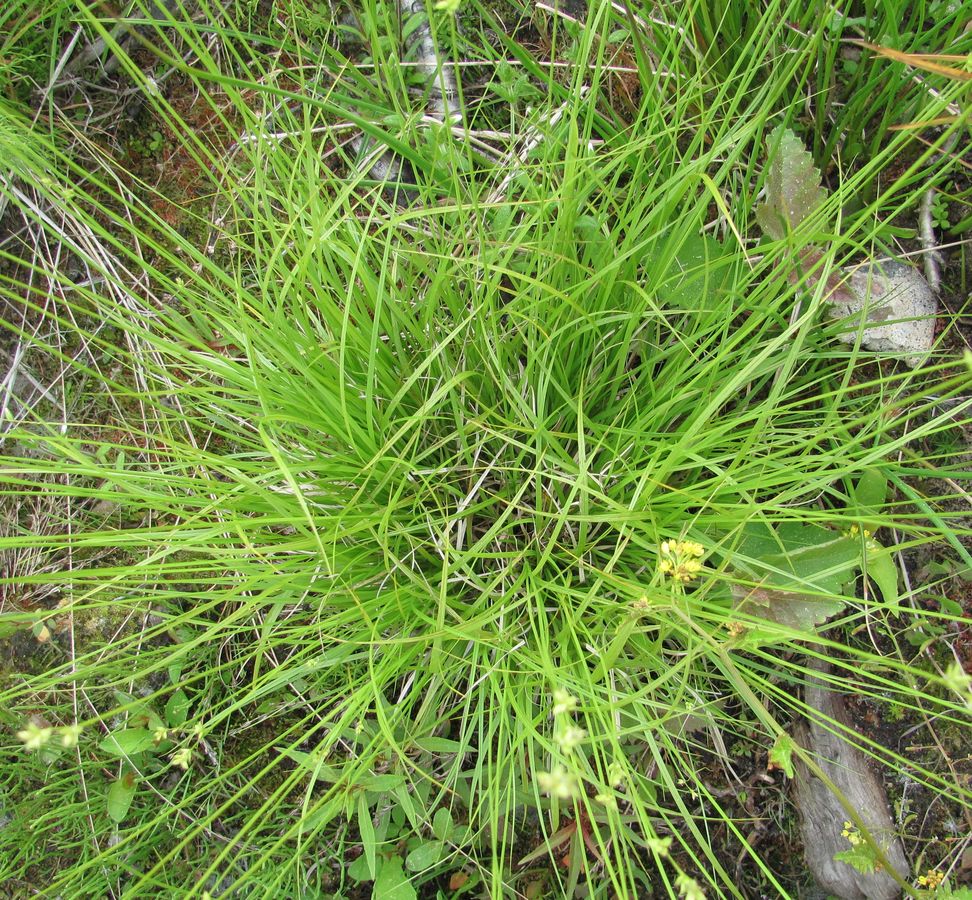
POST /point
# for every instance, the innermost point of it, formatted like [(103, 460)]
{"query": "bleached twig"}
[(926, 229)]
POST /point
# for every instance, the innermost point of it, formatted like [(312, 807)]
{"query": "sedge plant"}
[(438, 536)]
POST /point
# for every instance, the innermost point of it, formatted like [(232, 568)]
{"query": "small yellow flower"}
[(563, 702), (70, 735), (933, 880), (606, 800), (181, 758), (680, 559), (558, 782), (871, 545), (852, 834), (34, 736), (570, 738), (735, 629)]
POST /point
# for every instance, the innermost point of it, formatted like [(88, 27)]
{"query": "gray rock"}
[(899, 306)]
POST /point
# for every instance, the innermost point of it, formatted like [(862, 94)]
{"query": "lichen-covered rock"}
[(899, 307)]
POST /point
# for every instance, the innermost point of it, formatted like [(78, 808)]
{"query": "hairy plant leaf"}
[(797, 556), (862, 857), (793, 190), (442, 823), (358, 870), (321, 817), (382, 783), (791, 609), (177, 709), (883, 572), (699, 274), (10, 623), (313, 763), (799, 570)]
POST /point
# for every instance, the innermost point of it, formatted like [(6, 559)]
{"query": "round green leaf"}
[(424, 856), (392, 883)]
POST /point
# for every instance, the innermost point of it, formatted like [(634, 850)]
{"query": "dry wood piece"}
[(822, 816)]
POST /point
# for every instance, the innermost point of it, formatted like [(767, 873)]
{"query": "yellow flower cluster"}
[(852, 834), (871, 545), (35, 736), (735, 629), (680, 560), (932, 880), (560, 781)]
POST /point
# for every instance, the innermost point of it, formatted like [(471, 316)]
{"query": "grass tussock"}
[(410, 535)]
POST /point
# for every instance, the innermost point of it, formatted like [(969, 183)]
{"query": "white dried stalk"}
[(440, 84)]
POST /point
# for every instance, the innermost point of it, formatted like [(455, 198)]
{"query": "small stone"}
[(900, 309)]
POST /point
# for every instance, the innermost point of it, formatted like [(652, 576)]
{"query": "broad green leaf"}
[(793, 190), (591, 236), (177, 709), (698, 276), (442, 823), (313, 763), (392, 882), (799, 570), (870, 493), (120, 796), (437, 745), (381, 783), (140, 714), (321, 817), (424, 856), (407, 807), (791, 609), (128, 741), (11, 623), (883, 572), (781, 755), (796, 556), (358, 870)]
